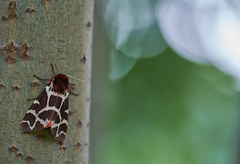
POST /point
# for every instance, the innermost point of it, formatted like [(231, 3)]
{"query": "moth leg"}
[(75, 94), (32, 98), (70, 89), (40, 78), (72, 84)]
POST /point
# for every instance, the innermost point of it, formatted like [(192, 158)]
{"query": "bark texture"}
[(33, 34)]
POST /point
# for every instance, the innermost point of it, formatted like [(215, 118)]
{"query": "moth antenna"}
[(53, 69), (57, 67), (76, 78)]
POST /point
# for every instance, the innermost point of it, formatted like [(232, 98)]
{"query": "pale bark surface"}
[(59, 31)]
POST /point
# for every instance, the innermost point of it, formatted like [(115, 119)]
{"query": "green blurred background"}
[(166, 110)]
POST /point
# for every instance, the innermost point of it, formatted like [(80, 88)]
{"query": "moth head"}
[(60, 83)]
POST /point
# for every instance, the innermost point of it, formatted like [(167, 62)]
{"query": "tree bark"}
[(34, 34)]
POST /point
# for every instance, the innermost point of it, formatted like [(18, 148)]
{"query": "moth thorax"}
[(60, 83)]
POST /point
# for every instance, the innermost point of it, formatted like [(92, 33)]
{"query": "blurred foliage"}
[(132, 30), (163, 109), (171, 111)]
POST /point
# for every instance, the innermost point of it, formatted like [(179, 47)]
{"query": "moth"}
[(50, 108)]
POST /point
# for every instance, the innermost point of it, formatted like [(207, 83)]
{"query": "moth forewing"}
[(50, 109)]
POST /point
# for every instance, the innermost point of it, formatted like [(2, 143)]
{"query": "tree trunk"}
[(34, 34)]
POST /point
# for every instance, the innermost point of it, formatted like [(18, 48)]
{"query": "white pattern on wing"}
[(67, 111), (58, 125), (36, 102)]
